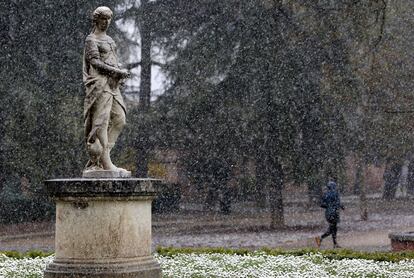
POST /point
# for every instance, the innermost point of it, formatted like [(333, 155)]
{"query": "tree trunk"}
[(261, 183), (276, 198), (359, 180), (410, 178), (391, 178), (314, 191), (145, 82), (143, 146)]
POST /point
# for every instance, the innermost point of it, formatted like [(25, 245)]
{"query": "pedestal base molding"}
[(145, 267)]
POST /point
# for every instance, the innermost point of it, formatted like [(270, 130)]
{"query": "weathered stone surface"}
[(102, 174), (81, 187), (103, 228), (104, 107), (143, 268)]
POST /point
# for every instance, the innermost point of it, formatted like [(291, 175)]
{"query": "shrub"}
[(168, 198), (338, 254), (17, 209), (29, 254)]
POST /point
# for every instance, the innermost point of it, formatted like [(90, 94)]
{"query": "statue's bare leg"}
[(116, 124), (101, 111), (102, 135)]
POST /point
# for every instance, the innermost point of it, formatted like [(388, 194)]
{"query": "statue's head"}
[(102, 18)]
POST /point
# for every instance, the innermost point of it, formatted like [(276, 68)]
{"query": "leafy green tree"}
[(41, 90), (245, 83)]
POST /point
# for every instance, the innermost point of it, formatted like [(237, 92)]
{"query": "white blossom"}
[(258, 265)]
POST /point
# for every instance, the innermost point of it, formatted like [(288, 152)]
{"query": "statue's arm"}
[(93, 57)]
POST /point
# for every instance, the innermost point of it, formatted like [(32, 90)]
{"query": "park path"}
[(247, 228), (359, 240)]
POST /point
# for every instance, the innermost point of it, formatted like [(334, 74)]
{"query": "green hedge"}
[(17, 209), (336, 254), (28, 254)]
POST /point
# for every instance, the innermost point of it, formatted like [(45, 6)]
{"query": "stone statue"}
[(104, 108)]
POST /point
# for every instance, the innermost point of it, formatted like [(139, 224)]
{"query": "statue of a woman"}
[(104, 108)]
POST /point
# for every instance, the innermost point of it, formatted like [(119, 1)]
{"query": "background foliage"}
[(292, 86)]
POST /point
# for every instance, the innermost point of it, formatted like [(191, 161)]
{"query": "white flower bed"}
[(257, 265), (261, 265), (23, 268)]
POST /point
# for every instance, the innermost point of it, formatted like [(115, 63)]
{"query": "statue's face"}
[(102, 23)]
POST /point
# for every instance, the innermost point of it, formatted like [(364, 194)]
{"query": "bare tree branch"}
[(161, 65), (382, 23)]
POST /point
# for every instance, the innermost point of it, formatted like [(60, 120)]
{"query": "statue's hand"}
[(120, 74), (122, 83), (124, 74)]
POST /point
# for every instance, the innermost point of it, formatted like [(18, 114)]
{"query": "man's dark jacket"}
[(331, 202)]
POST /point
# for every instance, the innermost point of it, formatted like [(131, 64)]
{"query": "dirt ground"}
[(248, 227)]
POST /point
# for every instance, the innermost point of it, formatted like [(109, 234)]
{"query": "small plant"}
[(29, 254)]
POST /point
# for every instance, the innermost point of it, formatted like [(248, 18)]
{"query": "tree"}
[(41, 93), (283, 82), (253, 64)]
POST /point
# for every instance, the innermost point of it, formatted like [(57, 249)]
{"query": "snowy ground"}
[(247, 227)]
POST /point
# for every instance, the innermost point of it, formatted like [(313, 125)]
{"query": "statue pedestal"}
[(103, 228)]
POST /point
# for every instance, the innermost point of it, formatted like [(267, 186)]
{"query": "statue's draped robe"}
[(103, 100)]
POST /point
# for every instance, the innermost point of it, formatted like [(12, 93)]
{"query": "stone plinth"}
[(402, 241), (103, 228)]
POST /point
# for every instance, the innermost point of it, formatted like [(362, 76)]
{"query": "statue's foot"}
[(111, 168), (107, 173), (108, 165), (121, 169), (123, 173), (93, 168)]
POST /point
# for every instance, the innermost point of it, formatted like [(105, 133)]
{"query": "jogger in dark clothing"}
[(332, 230), (331, 202)]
